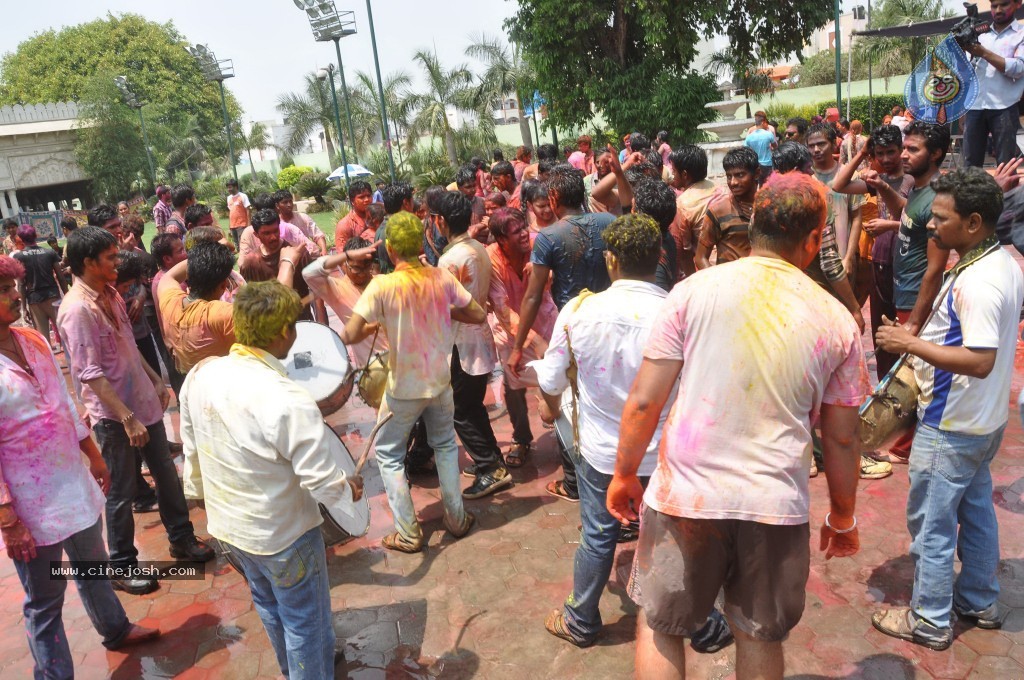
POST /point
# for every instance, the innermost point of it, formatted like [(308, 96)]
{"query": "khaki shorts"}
[(681, 564)]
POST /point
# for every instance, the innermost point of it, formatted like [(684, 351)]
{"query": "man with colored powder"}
[(604, 335), (44, 283), (258, 452), (689, 177), (162, 209), (397, 197), (724, 229), (503, 178), (285, 206), (238, 210), (353, 225), (762, 141), (964, 364), (276, 258), (759, 331), (416, 305)]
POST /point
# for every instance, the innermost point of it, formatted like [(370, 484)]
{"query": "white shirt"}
[(1001, 90), (341, 295), (980, 310), (257, 448), (468, 261), (608, 331)]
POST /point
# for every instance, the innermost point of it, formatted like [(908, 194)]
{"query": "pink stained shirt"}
[(467, 260), (98, 337), (55, 497), (248, 244)]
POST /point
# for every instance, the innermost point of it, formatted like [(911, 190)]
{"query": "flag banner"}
[(943, 86)]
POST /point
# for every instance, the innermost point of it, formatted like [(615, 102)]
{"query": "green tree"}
[(367, 122), (747, 71), (110, 148), (898, 56), (307, 112), (506, 74), (627, 59), (820, 69), (445, 88), (257, 138)]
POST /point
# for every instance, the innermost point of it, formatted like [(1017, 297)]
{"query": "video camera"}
[(967, 30)]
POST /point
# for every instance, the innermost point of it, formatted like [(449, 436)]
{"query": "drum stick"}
[(369, 441)]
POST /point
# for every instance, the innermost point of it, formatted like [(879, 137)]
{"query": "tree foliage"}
[(628, 58), (898, 56)]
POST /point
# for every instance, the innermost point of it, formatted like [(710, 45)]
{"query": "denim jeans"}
[(438, 416), (951, 487), (1002, 124), (44, 602), (292, 595), (119, 456)]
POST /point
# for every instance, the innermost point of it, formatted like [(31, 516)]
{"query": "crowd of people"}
[(696, 347)]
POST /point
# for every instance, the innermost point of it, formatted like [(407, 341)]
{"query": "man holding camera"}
[(1000, 71)]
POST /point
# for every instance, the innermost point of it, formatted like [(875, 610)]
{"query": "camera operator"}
[(1000, 71)]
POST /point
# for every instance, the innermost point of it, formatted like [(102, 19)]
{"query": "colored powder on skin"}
[(262, 310), (405, 234)]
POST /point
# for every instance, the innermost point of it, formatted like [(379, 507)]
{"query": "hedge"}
[(881, 106)]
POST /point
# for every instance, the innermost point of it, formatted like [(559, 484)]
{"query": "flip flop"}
[(397, 542)]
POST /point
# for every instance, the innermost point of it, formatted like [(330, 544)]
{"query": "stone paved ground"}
[(475, 608)]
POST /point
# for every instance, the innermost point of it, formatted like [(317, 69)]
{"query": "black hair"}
[(826, 130), (263, 217), (786, 210), (101, 214), (887, 135), (497, 155), (663, 137), (182, 194), (10, 222), (655, 159), (129, 266), (799, 123), (209, 264), (635, 241), (503, 168), (68, 223), (639, 142), (358, 187), (546, 166), (567, 181), (692, 160), (741, 157), (790, 156), (845, 123), (356, 242), (465, 175), (547, 152), (973, 191), (395, 195), (163, 246), (263, 201), (531, 190), (87, 242), (232, 182), (641, 171), (280, 195), (936, 137), (457, 211), (194, 213), (655, 198)]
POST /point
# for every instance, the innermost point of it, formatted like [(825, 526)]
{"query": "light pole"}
[(132, 101), (219, 71), (839, 59), (330, 24), (380, 92), (328, 73)]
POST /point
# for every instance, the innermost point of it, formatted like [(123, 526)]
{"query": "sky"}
[(270, 40)]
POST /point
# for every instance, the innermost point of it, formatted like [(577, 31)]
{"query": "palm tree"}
[(306, 112), (747, 71), (256, 139), (445, 88), (898, 56), (188, 149), (506, 74), (396, 96)]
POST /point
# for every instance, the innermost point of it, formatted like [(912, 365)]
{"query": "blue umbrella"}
[(354, 171)]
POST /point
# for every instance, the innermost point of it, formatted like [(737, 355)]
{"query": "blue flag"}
[(943, 86)]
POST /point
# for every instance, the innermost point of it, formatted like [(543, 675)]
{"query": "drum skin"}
[(374, 380), (319, 362), (891, 411)]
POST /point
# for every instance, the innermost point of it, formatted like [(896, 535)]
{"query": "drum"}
[(891, 410), (374, 380), (319, 362)]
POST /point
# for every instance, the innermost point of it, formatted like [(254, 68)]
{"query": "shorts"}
[(681, 564)]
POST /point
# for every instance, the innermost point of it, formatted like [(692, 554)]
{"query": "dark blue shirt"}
[(573, 250)]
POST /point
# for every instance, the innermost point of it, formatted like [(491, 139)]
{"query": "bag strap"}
[(572, 372)]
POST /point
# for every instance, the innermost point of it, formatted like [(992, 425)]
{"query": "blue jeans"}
[(438, 416), (951, 487), (119, 455), (292, 595), (44, 602)]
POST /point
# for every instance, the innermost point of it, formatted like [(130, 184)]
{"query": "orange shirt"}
[(194, 331)]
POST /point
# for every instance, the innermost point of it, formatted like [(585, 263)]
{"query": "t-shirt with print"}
[(39, 283), (981, 310), (910, 251), (573, 250), (238, 210), (725, 228), (762, 347), (840, 209), (414, 304)]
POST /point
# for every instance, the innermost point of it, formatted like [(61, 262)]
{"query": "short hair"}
[(641, 171), (523, 152), (531, 190), (567, 182), (358, 187), (134, 224), (503, 168), (936, 137), (503, 221), (27, 234), (639, 142), (376, 211), (263, 201), (161, 190), (497, 155), (10, 268), (232, 182), (635, 241), (182, 194), (844, 122), (790, 156), (262, 311), (663, 136), (691, 159), (433, 196), (498, 198), (742, 157), (545, 167), (68, 223), (101, 214), (786, 209), (799, 123), (129, 266), (163, 246), (887, 135), (355, 243), (655, 159), (280, 195), (10, 222), (209, 264), (465, 175), (897, 110), (395, 195), (194, 213), (825, 130), (405, 234), (547, 152), (88, 242), (457, 211), (585, 139), (120, 203), (973, 191), (656, 199), (207, 234), (263, 217)]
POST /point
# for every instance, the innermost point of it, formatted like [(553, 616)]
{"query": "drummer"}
[(258, 451)]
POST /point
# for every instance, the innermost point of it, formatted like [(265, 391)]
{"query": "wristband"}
[(284, 259), (840, 531), (124, 421)]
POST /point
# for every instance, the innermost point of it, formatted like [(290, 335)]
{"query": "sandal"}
[(555, 624), (516, 456), (467, 525), (899, 623), (557, 489), (399, 543)]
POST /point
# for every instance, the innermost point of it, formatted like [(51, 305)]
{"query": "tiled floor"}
[(476, 607)]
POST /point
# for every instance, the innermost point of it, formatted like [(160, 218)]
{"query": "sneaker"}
[(488, 483), (714, 636), (987, 619), (901, 623), (469, 471), (874, 469), (814, 468), (193, 549)]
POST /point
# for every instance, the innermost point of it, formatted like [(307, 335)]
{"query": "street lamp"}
[(133, 102), (329, 24), (219, 71), (380, 91), (328, 73)]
